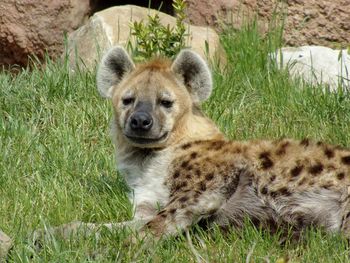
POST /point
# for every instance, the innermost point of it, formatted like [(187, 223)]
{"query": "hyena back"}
[(182, 169)]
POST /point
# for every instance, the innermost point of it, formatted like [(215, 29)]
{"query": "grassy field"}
[(57, 162)]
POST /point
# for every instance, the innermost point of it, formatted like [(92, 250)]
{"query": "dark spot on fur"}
[(272, 178), (319, 143), (347, 215), (266, 162), (178, 186), (264, 190), (236, 149), (186, 146), (282, 149), (305, 142), (284, 191), (264, 155), (183, 199), (202, 186), (302, 181), (209, 176), (328, 185), (188, 176), (197, 194), (163, 215), (172, 211), (194, 155), (296, 170), (176, 174), (184, 164), (280, 192), (331, 167), (189, 167), (340, 176), (198, 172), (346, 160), (329, 153), (172, 200), (231, 186), (217, 145), (316, 169), (273, 194)]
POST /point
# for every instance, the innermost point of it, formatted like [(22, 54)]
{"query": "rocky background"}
[(33, 27)]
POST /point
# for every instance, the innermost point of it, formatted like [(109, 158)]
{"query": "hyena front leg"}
[(75, 228), (189, 204), (183, 210)]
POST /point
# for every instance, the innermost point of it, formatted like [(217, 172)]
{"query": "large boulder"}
[(317, 65), (308, 22), (31, 27), (111, 27), (5, 246)]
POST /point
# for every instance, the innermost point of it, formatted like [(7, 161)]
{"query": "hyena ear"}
[(195, 74), (113, 67)]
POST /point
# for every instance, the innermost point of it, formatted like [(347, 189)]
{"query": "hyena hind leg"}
[(345, 217), (345, 225)]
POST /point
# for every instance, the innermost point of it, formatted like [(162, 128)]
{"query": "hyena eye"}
[(128, 101), (166, 103)]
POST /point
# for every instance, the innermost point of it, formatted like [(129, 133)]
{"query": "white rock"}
[(112, 26), (317, 65)]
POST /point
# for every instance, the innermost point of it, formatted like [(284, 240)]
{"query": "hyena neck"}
[(196, 127), (132, 161)]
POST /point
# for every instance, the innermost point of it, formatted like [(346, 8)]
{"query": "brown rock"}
[(29, 27), (5, 246), (111, 27), (328, 20)]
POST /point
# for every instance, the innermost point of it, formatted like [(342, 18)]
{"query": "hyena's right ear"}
[(195, 74), (114, 65)]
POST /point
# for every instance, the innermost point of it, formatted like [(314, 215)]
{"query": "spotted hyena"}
[(182, 169)]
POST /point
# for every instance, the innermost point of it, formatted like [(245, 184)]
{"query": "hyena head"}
[(151, 100)]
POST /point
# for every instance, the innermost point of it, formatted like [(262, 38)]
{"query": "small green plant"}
[(154, 39)]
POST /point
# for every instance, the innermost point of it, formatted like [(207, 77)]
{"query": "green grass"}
[(57, 162)]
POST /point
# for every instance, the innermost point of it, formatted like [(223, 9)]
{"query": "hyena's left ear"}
[(113, 67), (194, 73)]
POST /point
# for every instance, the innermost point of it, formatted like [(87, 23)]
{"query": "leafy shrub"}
[(154, 39)]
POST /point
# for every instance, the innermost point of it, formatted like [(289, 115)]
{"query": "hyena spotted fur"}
[(182, 169)]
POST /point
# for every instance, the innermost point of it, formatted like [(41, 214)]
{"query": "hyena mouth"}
[(145, 140)]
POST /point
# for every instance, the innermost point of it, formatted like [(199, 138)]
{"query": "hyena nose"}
[(141, 121)]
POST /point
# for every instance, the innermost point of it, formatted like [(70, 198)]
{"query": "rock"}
[(5, 246), (31, 27), (317, 64), (111, 27), (309, 22)]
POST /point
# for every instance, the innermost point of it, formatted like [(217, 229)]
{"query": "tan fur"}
[(195, 173)]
